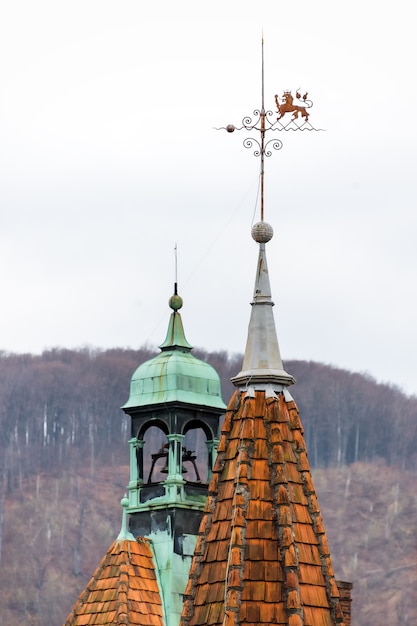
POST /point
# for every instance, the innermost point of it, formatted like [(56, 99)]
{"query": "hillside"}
[(57, 528), (64, 452)]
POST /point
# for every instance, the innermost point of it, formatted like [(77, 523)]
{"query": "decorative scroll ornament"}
[(265, 122), (261, 122)]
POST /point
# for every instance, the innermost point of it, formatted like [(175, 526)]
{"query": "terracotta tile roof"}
[(262, 555), (123, 589)]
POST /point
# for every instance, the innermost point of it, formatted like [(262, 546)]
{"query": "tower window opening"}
[(155, 464), (195, 456)]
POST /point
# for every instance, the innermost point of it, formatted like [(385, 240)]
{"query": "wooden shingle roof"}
[(123, 589), (262, 555)]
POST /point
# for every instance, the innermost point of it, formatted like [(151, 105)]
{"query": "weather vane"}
[(265, 121)]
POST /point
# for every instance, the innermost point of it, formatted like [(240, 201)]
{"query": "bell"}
[(164, 470)]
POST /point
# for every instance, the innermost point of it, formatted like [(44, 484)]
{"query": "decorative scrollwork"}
[(264, 121), (249, 142), (276, 145), (269, 113), (248, 123), (255, 124)]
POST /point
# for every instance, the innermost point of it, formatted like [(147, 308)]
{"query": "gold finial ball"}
[(175, 302), (230, 128), (262, 232)]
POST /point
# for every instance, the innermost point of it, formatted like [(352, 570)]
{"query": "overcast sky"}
[(108, 158)]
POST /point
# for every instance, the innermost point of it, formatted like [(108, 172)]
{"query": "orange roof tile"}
[(262, 553), (123, 589)]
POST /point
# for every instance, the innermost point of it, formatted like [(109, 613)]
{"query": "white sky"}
[(108, 157)]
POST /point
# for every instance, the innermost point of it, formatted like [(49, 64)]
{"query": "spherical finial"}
[(175, 302), (262, 232), (124, 501), (230, 128)]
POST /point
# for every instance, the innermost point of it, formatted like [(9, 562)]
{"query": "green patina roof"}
[(175, 375)]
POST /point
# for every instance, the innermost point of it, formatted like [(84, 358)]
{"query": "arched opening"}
[(155, 455), (195, 456)]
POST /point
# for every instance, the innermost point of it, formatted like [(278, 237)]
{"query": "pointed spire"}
[(262, 363), (124, 589), (175, 335)]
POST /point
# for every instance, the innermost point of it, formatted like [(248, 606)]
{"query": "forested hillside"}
[(63, 470)]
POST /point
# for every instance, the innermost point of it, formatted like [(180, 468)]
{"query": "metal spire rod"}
[(263, 114), (176, 270)]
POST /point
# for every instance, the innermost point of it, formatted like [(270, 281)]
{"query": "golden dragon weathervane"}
[(264, 122)]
